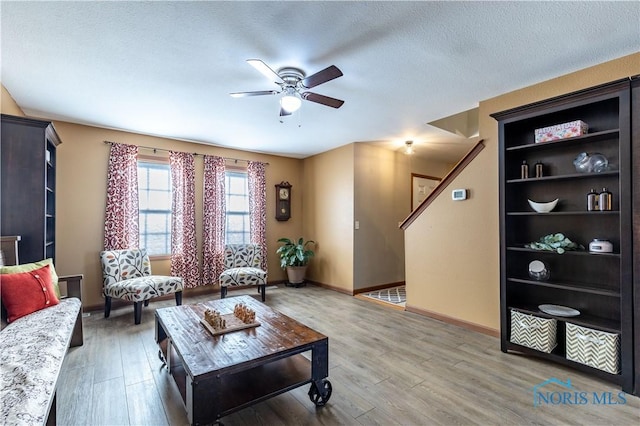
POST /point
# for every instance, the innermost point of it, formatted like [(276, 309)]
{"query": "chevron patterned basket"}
[(595, 348), (533, 332)]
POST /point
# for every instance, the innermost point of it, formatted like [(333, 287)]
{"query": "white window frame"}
[(246, 229), (145, 163)]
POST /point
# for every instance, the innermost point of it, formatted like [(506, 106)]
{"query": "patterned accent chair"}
[(242, 268), (127, 275)]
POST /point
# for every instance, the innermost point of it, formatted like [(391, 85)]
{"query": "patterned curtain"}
[(258, 207), (184, 258), (214, 219), (121, 216)]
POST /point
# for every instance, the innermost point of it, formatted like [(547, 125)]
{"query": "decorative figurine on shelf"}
[(591, 163)]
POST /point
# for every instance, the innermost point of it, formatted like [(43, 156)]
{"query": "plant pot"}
[(296, 274)]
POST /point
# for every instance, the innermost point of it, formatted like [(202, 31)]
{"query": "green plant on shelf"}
[(555, 242)]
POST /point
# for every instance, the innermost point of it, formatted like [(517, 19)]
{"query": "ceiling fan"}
[(293, 84)]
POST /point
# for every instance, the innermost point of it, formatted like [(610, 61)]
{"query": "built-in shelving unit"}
[(28, 189), (635, 189), (598, 285)]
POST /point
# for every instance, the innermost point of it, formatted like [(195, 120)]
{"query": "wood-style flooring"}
[(386, 366)]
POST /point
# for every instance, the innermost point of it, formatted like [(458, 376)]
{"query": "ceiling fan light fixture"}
[(408, 147), (290, 102)]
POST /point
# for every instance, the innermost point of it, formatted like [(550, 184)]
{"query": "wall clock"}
[(283, 201)]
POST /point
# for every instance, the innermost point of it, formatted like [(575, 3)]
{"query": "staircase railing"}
[(455, 171)]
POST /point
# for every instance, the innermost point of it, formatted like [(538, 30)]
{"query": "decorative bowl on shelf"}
[(543, 207)]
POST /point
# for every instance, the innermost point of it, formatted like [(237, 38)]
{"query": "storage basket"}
[(533, 332), (595, 348)]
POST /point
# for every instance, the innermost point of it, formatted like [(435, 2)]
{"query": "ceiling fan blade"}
[(320, 77), (265, 70), (284, 113), (321, 99), (256, 93)]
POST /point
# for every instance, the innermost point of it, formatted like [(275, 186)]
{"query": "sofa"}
[(32, 352)]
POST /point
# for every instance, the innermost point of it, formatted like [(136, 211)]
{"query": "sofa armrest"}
[(74, 285), (74, 289)]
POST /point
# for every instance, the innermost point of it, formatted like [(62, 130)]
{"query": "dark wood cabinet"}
[(599, 285), (28, 186), (635, 188)]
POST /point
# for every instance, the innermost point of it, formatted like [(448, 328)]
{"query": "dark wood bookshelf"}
[(599, 285), (28, 191)]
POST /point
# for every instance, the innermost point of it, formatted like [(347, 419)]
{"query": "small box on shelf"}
[(561, 131)]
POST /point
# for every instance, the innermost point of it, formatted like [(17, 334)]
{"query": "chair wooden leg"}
[(223, 292), (137, 312), (107, 306), (263, 290), (178, 298)]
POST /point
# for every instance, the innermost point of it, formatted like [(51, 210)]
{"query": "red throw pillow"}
[(27, 292)]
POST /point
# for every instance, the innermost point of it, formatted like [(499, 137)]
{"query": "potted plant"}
[(294, 257)]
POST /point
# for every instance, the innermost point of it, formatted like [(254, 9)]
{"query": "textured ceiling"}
[(166, 68)]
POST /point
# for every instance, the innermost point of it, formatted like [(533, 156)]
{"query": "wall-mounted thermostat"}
[(459, 194)]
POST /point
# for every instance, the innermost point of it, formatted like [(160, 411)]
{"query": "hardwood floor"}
[(386, 366)]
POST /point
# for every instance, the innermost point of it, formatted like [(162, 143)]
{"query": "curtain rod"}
[(193, 153)]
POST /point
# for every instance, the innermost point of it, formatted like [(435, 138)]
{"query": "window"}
[(237, 226), (154, 191)]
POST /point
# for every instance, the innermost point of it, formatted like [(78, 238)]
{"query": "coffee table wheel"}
[(320, 396)]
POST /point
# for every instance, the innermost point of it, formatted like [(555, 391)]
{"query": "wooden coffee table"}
[(219, 375)]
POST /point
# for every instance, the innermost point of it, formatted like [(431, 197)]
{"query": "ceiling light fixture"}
[(408, 147), (290, 102)]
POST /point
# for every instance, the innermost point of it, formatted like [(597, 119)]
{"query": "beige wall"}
[(382, 199), (369, 184), (81, 194), (8, 105), (380, 202), (452, 256), (422, 166), (328, 216)]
